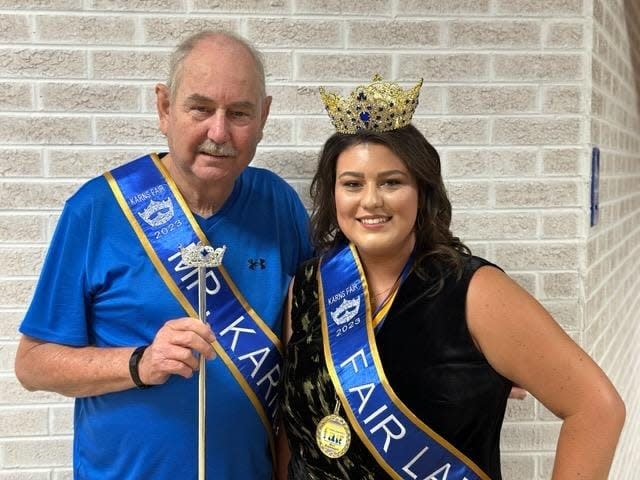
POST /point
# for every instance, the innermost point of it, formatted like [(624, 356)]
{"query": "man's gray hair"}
[(185, 47)]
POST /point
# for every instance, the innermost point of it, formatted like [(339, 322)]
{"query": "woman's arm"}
[(282, 453), (282, 444), (522, 342)]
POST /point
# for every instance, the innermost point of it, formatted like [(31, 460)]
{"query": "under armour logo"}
[(257, 263)]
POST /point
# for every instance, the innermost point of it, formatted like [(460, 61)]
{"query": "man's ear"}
[(264, 114), (266, 106), (163, 102)]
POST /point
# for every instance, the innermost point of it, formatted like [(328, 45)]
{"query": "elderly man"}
[(111, 322)]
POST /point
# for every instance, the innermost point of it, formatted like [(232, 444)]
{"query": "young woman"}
[(402, 346)]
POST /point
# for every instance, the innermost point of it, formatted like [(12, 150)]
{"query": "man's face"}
[(215, 121)]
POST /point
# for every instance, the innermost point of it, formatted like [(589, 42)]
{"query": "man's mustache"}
[(212, 148)]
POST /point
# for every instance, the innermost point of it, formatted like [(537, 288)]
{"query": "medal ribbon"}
[(401, 443), (163, 223)]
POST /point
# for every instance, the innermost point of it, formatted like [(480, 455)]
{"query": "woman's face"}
[(376, 201)]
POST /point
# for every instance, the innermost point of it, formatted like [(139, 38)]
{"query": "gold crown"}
[(379, 106)]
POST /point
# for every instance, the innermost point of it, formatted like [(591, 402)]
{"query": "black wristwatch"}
[(134, 362)]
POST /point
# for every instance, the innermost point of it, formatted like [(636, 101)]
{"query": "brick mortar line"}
[(599, 290), (617, 339)]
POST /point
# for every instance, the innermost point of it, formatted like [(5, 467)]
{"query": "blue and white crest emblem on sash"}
[(157, 213), (347, 310)]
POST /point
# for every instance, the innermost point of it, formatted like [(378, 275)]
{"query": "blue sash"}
[(401, 443), (163, 223)]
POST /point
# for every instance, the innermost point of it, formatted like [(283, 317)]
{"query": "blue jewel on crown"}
[(364, 116)]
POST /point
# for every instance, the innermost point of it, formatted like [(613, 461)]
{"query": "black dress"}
[(430, 361)]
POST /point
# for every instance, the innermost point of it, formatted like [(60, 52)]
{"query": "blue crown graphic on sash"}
[(157, 212)]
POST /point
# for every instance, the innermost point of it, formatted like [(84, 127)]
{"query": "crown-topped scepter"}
[(203, 257), (380, 106), (200, 255)]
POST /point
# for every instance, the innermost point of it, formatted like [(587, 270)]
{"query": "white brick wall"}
[(611, 301), (515, 93)]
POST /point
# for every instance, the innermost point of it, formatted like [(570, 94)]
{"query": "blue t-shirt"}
[(98, 287)]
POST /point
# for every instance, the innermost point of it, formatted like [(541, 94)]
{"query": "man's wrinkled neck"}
[(204, 198)]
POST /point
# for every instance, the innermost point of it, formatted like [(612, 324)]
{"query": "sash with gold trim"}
[(401, 443), (163, 223)]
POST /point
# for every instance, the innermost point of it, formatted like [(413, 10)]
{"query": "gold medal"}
[(333, 435)]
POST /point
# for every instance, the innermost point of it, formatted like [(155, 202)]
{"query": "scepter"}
[(202, 257)]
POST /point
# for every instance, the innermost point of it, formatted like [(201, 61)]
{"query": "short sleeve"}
[(304, 250), (58, 309)]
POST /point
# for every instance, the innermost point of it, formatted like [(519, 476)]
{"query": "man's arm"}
[(72, 371), (89, 371)]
